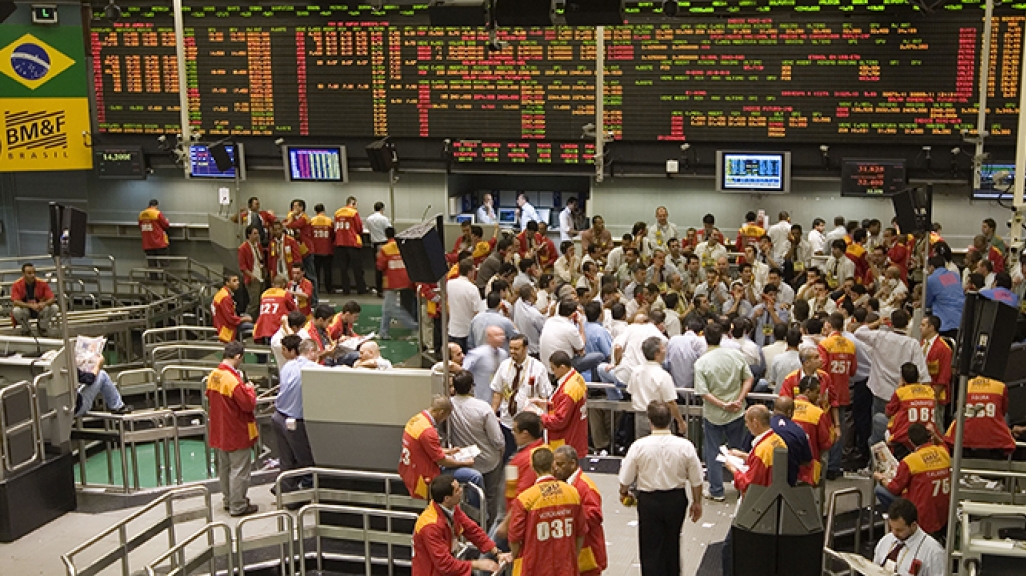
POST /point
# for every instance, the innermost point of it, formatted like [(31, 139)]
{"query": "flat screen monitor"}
[(462, 219), (316, 164), (507, 216), (753, 172), (996, 180), (861, 177), (203, 165), (545, 214)]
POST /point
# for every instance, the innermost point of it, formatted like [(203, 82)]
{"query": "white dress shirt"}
[(559, 334), (631, 340), (485, 214), (534, 383), (527, 214), (464, 302), (650, 382), (888, 350), (817, 241), (919, 546), (376, 224), (661, 461), (836, 234), (566, 224), (708, 255), (778, 233), (840, 269)]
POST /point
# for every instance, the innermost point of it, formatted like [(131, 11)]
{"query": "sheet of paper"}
[(863, 565), (726, 457), (467, 453), (88, 352)]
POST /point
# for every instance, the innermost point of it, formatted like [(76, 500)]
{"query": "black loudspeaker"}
[(6, 9), (223, 160), (913, 209), (985, 337), (594, 12), (458, 13), (382, 155), (67, 231), (422, 252), (524, 12)]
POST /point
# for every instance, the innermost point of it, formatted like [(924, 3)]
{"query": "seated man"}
[(33, 300), (91, 385), (370, 357)]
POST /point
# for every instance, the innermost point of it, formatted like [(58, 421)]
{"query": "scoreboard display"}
[(872, 177), (791, 71), (529, 152)]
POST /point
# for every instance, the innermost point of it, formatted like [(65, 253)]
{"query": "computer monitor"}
[(316, 164), (203, 165), (753, 172), (545, 214), (996, 180), (507, 216), (462, 219)]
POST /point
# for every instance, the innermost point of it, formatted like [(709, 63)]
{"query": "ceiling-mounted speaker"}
[(382, 155), (524, 13), (594, 12), (472, 13), (222, 158)]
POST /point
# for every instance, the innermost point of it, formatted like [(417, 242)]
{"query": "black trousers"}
[(293, 448), (660, 518), (322, 265), (377, 273), (862, 414), (349, 259)]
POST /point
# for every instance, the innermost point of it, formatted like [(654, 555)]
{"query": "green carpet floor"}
[(193, 457), (395, 350)]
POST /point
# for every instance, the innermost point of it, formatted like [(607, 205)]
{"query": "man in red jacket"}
[(227, 323), (32, 298), (275, 304), (252, 264), (301, 226), (437, 529), (153, 226), (394, 281), (282, 252), (567, 419), (924, 477), (233, 429), (348, 244), (323, 229), (592, 559)]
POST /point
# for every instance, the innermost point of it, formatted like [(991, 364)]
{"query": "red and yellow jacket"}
[(301, 223), (153, 226), (248, 258), (567, 419), (288, 249), (434, 537), (857, 254), (231, 419), (938, 364), (924, 477), (748, 235), (226, 321), (592, 559), (819, 428), (760, 463), (839, 360), (520, 475), (986, 404), (275, 303), (910, 404), (322, 229), (393, 269), (348, 227), (418, 463), (546, 520)]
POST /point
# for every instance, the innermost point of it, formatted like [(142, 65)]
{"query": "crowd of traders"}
[(819, 317)]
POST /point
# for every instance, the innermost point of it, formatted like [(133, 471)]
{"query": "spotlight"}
[(279, 141)]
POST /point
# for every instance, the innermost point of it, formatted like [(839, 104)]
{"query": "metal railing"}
[(365, 534), (19, 416), (283, 538), (389, 498), (106, 555), (832, 512), (176, 562), (126, 432)]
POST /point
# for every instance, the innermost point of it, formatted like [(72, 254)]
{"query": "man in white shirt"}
[(370, 357), (486, 211), (627, 353), (710, 251), (527, 319), (518, 379), (484, 360), (650, 383), (817, 241), (473, 422), (838, 233), (658, 468), (907, 550), (564, 332), (566, 221), (376, 224), (779, 233), (663, 229), (527, 211), (464, 302), (888, 350), (786, 362), (838, 267), (292, 324)]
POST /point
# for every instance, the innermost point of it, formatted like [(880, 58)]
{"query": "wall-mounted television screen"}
[(753, 172), (996, 180), (202, 163), (316, 164)]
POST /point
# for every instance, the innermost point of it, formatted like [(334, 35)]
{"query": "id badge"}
[(799, 266), (767, 329)]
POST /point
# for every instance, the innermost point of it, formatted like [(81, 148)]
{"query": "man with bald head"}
[(592, 559), (799, 453), (423, 458), (370, 357)]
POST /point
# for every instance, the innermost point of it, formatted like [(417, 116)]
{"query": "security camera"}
[(956, 151), (824, 148), (162, 139), (684, 147), (279, 141), (112, 12)]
